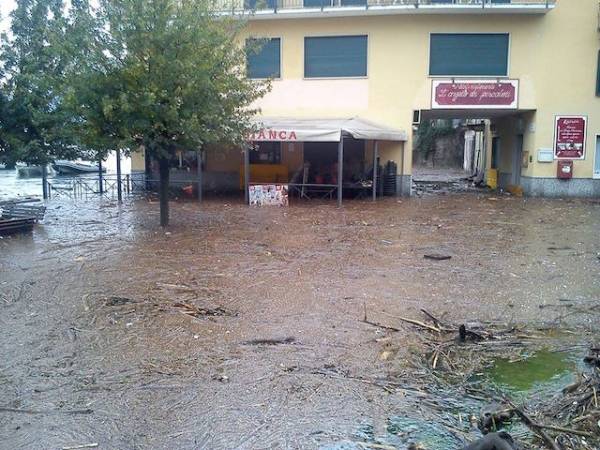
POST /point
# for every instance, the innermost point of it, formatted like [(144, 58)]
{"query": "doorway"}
[(495, 152), (517, 161)]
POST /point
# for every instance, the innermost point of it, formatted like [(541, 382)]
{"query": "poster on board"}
[(569, 137), (268, 194)]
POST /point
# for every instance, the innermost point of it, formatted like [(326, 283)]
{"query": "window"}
[(468, 54), (266, 153), (260, 4), (263, 58), (353, 2), (328, 3), (335, 56), (455, 1), (316, 3)]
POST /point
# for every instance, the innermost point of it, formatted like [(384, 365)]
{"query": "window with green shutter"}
[(263, 58), (335, 56), (478, 54)]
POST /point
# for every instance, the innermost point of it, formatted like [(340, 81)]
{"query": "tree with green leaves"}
[(162, 75), (32, 110)]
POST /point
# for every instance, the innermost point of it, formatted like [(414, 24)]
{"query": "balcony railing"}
[(270, 7)]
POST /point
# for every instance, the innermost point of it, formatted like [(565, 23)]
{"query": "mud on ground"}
[(243, 327)]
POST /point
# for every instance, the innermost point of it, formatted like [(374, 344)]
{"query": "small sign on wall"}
[(570, 133)]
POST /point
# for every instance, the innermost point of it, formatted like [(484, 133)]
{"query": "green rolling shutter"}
[(264, 62), (468, 54), (335, 56)]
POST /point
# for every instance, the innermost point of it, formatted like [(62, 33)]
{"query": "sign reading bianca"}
[(569, 137), (274, 135), (475, 94)]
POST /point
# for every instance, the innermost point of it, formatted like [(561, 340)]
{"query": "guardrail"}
[(276, 5)]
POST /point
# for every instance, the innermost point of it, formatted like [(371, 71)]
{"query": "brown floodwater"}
[(94, 349)]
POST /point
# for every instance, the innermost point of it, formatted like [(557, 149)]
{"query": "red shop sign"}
[(491, 94), (569, 137)]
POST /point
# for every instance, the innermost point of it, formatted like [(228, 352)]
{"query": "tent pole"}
[(402, 174), (100, 181), (199, 165), (340, 169), (247, 175), (119, 181), (45, 181), (375, 157)]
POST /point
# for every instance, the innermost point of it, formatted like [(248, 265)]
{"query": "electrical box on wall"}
[(545, 155), (565, 170)]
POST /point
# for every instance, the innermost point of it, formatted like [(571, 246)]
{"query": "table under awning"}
[(286, 129)]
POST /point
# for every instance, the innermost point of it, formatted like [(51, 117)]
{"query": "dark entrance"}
[(322, 158)]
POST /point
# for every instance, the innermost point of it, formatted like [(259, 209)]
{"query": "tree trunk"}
[(164, 192)]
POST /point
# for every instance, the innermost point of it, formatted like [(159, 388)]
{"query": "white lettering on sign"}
[(474, 94)]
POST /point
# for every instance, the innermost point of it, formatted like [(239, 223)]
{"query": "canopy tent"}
[(283, 129)]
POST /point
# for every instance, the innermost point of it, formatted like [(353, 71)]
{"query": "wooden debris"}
[(271, 341), (419, 324), (75, 447), (437, 257), (47, 411), (377, 446), (384, 327), (533, 426), (195, 311)]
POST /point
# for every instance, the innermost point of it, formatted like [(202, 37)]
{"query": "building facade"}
[(532, 67)]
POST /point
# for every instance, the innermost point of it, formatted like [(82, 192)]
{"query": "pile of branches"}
[(463, 350), (578, 404)]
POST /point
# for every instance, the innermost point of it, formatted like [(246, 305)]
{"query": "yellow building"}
[(532, 67)]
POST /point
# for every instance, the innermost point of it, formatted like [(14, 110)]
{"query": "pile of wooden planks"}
[(17, 216)]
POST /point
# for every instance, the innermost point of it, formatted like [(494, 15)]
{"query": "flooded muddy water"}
[(243, 327), (534, 371)]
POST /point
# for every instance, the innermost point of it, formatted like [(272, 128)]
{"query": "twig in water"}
[(536, 428), (378, 325), (378, 446), (75, 447), (566, 430), (418, 323), (49, 411)]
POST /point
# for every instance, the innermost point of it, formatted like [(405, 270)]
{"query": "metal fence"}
[(89, 187), (275, 5), (107, 186)]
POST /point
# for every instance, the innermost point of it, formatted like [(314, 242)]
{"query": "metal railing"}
[(86, 187), (239, 6), (135, 184)]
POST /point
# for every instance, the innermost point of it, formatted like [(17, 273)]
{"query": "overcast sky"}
[(6, 6)]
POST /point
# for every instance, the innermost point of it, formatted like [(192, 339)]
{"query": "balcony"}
[(272, 9)]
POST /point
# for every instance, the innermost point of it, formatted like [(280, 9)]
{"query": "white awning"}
[(281, 129)]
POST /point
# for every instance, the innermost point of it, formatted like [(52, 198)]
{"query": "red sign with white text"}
[(484, 94), (569, 137)]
